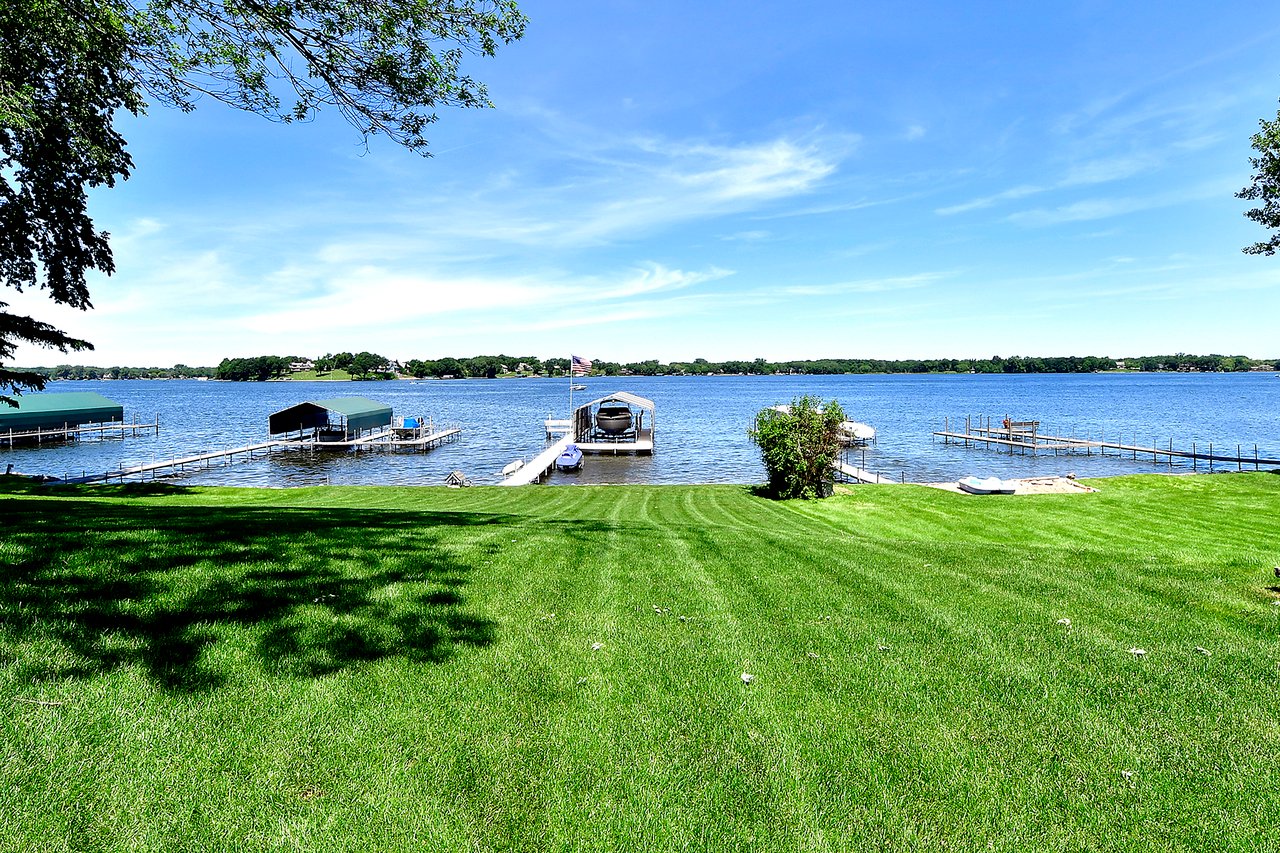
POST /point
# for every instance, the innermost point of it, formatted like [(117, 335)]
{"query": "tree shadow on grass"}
[(187, 594)]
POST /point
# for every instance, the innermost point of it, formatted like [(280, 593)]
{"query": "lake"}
[(701, 423)]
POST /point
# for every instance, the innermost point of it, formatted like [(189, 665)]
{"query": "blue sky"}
[(730, 180)]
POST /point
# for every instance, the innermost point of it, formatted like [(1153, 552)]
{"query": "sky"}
[(728, 180)]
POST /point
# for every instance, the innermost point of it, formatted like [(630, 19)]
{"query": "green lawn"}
[(418, 669)]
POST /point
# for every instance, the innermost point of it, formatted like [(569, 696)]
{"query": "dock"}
[(859, 475), (386, 440), (177, 465), (540, 466), (1025, 437), (101, 431)]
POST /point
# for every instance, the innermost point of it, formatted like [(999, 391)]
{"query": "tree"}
[(799, 443), (1265, 185), (63, 76), (68, 67), (368, 365)]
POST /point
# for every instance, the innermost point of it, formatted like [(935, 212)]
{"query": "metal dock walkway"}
[(539, 467), (859, 475)]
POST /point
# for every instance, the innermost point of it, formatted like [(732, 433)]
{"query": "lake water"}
[(701, 422)]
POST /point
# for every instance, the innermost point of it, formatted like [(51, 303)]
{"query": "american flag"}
[(579, 366)]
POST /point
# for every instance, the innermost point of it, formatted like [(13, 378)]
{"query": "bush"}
[(799, 443)]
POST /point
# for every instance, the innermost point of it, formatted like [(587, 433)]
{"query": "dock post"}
[(1239, 461), (1211, 457), (1194, 466), (1171, 454)]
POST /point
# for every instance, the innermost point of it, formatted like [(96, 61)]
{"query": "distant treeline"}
[(366, 365), (81, 371)]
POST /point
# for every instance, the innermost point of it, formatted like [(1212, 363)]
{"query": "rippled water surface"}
[(701, 424)]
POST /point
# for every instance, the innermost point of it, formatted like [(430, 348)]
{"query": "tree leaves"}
[(1265, 186), (67, 67), (798, 444)]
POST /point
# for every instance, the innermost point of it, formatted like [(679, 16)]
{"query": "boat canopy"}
[(56, 411), (624, 397), (347, 414)]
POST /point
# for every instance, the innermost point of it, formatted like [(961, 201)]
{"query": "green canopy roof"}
[(54, 411), (353, 414)]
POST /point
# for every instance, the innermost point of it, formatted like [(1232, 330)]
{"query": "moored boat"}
[(852, 432), (570, 459), (613, 418)]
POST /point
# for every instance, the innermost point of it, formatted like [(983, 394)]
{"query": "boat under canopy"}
[(619, 423)]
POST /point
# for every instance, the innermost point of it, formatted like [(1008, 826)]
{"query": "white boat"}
[(577, 387), (852, 432), (512, 467), (987, 486)]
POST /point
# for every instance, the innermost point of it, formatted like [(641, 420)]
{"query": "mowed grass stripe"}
[(431, 702)]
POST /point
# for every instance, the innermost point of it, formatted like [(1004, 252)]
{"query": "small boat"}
[(852, 432), (987, 486), (613, 418), (512, 467), (570, 459), (577, 387)]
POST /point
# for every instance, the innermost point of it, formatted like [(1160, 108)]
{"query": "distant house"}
[(298, 366), (1120, 364)]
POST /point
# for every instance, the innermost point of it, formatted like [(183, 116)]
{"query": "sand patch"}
[(1031, 486)]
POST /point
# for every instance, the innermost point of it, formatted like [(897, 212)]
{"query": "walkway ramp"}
[(541, 465)]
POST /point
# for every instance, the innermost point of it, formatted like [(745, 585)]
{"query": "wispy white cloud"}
[(990, 200), (873, 285), (379, 297), (1105, 208), (746, 237)]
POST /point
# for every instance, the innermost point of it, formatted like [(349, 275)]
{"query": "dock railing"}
[(1024, 436)]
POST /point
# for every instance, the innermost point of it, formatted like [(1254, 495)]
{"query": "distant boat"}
[(577, 387), (987, 486), (570, 459)]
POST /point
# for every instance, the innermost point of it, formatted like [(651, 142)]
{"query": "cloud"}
[(746, 237), (875, 285), (1104, 208), (988, 201), (371, 296)]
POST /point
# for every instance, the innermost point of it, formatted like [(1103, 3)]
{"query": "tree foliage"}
[(256, 369), (64, 74), (1265, 186), (385, 66), (68, 67), (798, 444)]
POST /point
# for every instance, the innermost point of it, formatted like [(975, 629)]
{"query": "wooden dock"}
[(1034, 441)]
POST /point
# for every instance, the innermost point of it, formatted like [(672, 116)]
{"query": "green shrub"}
[(799, 443)]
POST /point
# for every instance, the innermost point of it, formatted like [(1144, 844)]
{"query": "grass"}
[(413, 669)]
